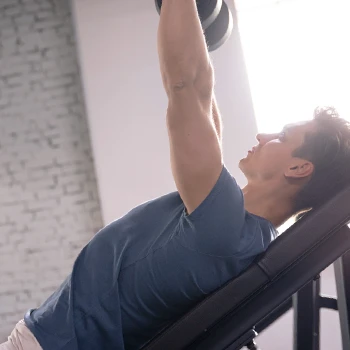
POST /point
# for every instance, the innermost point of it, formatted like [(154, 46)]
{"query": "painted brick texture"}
[(49, 203)]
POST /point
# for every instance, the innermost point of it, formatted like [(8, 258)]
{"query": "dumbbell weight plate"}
[(208, 10), (220, 31)]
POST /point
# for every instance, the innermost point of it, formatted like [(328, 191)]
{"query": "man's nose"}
[(264, 138), (261, 138)]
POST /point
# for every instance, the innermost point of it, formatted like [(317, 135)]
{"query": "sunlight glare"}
[(297, 54)]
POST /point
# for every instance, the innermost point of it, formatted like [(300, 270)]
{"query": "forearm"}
[(182, 48)]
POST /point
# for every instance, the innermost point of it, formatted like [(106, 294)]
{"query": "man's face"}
[(273, 157)]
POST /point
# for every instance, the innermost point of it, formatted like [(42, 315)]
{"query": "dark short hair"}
[(328, 148)]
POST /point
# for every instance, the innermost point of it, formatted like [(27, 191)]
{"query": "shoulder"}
[(257, 235)]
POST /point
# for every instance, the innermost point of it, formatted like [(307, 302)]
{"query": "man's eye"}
[(282, 136)]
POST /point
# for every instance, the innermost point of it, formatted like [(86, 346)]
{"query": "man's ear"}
[(299, 168)]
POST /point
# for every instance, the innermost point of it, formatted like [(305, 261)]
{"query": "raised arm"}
[(188, 78)]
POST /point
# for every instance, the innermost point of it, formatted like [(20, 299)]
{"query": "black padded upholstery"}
[(292, 260)]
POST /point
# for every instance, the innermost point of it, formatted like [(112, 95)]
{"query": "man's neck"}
[(268, 200)]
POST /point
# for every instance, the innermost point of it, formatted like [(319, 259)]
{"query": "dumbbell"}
[(216, 19)]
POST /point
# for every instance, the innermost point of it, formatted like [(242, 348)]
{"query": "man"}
[(142, 272)]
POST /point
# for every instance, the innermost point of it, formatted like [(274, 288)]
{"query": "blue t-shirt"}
[(142, 272)]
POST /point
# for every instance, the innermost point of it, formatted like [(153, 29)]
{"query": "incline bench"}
[(285, 276)]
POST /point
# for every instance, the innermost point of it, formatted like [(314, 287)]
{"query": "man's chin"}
[(243, 165), (242, 162)]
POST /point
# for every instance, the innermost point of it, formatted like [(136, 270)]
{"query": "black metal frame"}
[(342, 278), (307, 303)]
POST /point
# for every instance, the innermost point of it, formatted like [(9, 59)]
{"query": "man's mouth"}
[(252, 150)]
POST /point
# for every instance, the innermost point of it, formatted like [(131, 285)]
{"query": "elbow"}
[(201, 80)]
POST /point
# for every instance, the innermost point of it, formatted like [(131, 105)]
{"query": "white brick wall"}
[(49, 205)]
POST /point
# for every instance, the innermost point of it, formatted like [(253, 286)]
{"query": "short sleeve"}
[(216, 226)]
